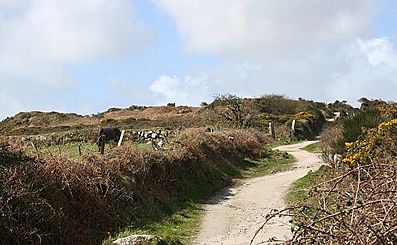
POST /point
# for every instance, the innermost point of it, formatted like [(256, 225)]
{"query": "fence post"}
[(102, 144), (272, 132), (121, 137), (35, 148), (80, 149), (293, 128)]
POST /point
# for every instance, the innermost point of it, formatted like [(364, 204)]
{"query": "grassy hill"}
[(36, 122), (261, 111)]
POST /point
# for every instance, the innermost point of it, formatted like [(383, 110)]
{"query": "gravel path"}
[(234, 214)]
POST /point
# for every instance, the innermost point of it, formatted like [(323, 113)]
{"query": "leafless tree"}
[(235, 110)]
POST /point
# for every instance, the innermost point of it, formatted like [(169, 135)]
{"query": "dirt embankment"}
[(234, 214)]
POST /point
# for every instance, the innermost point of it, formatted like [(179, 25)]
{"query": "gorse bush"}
[(341, 106), (388, 111), (304, 115), (356, 204), (280, 105), (360, 150), (53, 200), (308, 125), (350, 129), (354, 126), (234, 111)]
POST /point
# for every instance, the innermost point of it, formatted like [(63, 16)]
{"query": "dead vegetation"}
[(53, 200), (358, 208), (358, 203)]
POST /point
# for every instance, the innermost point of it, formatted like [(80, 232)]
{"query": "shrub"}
[(359, 150), (349, 130), (304, 115), (283, 132), (388, 111), (203, 104), (356, 205), (354, 126), (331, 139), (280, 105)]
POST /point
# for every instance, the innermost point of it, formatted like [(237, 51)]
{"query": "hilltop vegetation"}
[(257, 113), (135, 116), (32, 122)]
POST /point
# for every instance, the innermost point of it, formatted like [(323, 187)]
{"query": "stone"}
[(137, 240)]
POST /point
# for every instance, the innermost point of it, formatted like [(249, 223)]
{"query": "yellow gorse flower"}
[(384, 125), (388, 111), (358, 150), (304, 115)]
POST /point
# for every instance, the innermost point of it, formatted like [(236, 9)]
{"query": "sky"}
[(86, 56)]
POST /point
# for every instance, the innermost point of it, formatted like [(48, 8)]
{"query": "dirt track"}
[(234, 214)]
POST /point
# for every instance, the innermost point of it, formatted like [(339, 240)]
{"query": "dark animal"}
[(108, 134), (210, 130)]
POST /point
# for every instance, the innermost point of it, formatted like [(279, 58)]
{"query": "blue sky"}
[(385, 20), (86, 56), (163, 53)]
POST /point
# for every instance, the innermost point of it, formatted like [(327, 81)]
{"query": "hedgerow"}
[(53, 200)]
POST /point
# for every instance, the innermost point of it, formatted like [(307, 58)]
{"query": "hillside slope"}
[(259, 112), (36, 122)]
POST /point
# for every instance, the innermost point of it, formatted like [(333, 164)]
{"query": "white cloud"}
[(252, 27), (378, 50), (125, 95), (349, 74), (321, 50), (371, 71), (167, 85), (189, 90), (39, 39)]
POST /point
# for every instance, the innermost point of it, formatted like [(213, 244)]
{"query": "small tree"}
[(233, 109), (366, 104), (203, 104)]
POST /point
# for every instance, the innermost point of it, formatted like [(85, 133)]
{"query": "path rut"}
[(234, 214)]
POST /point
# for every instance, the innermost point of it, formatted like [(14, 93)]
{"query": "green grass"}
[(279, 162), (313, 148), (283, 142), (177, 222), (142, 145), (299, 193), (72, 149), (175, 228)]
